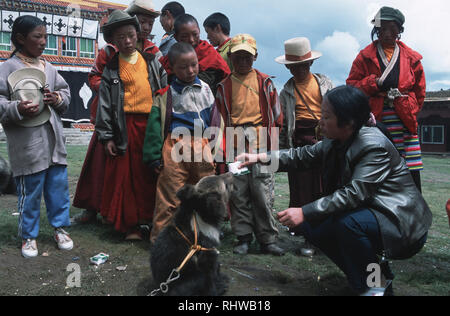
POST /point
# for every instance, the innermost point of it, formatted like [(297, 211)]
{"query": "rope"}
[(194, 248)]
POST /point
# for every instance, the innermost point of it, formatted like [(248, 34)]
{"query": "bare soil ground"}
[(253, 275)]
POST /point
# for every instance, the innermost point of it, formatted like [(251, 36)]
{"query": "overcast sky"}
[(337, 28)]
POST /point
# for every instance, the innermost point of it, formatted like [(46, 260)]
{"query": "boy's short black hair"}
[(218, 19), (175, 8), (179, 49), (182, 20)]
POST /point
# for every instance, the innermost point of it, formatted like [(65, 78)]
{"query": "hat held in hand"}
[(27, 84)]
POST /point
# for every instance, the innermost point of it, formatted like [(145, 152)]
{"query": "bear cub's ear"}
[(187, 193)]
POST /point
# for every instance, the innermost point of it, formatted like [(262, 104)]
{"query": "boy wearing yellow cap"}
[(248, 102)]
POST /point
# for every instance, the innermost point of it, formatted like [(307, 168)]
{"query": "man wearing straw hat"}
[(301, 100)]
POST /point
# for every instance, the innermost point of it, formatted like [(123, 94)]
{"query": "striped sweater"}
[(179, 106)]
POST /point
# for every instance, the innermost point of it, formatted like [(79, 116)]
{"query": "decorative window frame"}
[(433, 130), (71, 49), (5, 41), (53, 51), (87, 53)]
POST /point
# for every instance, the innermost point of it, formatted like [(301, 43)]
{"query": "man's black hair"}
[(350, 105), (175, 8), (218, 19), (182, 20)]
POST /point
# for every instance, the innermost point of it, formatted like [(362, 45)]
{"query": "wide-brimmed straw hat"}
[(117, 19), (28, 84), (142, 7), (298, 50)]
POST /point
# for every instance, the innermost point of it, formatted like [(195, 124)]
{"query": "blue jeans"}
[(352, 241), (53, 183)]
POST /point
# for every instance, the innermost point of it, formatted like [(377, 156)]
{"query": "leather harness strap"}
[(194, 247)]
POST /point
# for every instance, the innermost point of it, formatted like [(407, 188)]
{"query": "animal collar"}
[(175, 274), (195, 247)]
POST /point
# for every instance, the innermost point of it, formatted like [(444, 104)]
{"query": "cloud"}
[(339, 51), (341, 48), (424, 27), (438, 85), (337, 28)]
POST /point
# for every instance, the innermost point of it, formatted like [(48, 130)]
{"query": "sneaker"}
[(134, 236), (63, 240), (29, 248)]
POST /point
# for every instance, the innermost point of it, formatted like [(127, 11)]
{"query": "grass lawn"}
[(428, 273)]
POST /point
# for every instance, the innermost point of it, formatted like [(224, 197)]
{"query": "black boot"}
[(272, 249)]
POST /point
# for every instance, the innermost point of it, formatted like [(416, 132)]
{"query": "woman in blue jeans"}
[(371, 206)]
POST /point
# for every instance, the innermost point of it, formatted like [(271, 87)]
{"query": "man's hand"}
[(27, 109), (250, 159), (291, 217), (157, 170), (111, 149), (51, 98)]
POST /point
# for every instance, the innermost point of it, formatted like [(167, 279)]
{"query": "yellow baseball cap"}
[(243, 42)]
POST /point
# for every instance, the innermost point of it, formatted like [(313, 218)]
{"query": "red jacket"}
[(104, 57), (366, 70), (268, 101), (208, 58)]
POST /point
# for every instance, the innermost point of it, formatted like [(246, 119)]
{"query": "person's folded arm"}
[(368, 175)]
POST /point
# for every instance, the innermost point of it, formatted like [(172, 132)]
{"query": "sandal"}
[(134, 235), (87, 216)]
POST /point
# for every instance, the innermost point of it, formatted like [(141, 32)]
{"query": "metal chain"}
[(164, 287)]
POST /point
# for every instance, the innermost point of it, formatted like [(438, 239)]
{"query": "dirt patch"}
[(48, 274), (251, 275)]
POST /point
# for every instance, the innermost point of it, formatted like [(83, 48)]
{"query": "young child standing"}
[(188, 102), (125, 101), (248, 99), (32, 98), (212, 67)]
